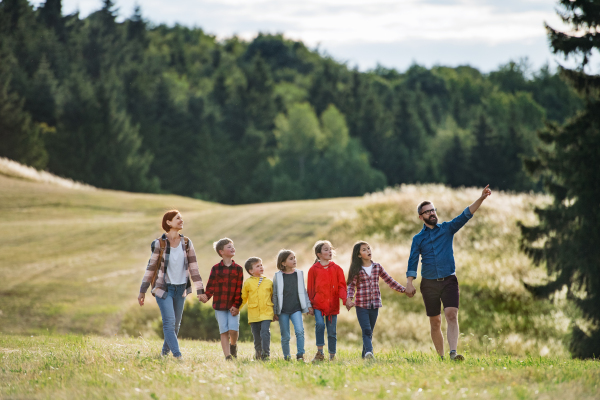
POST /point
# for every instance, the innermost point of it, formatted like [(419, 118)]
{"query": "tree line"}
[(141, 107)]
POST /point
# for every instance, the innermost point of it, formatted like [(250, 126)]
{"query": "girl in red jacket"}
[(326, 286)]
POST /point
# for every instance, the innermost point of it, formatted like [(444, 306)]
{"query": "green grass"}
[(71, 366)]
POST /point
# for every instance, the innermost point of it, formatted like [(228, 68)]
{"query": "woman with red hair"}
[(170, 271)]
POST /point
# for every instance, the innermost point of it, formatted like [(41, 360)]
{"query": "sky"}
[(364, 33)]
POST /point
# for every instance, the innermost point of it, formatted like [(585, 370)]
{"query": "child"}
[(363, 278), (326, 285), (225, 284), (290, 300), (257, 292)]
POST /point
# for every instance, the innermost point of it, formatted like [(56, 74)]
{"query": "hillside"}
[(71, 260)]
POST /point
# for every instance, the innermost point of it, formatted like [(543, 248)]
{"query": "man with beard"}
[(439, 284)]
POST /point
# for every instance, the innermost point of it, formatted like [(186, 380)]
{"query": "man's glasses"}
[(427, 212)]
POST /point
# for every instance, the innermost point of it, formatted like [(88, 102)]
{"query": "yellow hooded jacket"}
[(259, 299)]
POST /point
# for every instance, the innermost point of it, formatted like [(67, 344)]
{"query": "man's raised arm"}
[(484, 195)]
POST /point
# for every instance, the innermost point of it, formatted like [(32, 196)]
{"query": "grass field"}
[(74, 367), (72, 257)]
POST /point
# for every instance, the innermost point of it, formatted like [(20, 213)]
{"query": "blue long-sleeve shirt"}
[(435, 248)]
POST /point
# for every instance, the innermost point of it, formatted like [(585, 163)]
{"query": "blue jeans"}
[(284, 328), (329, 322), (171, 310), (367, 317)]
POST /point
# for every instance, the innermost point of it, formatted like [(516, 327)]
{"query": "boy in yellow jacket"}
[(258, 293)]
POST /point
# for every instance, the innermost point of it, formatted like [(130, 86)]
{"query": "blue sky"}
[(394, 33)]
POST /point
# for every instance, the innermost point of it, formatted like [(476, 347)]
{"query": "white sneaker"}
[(369, 356)]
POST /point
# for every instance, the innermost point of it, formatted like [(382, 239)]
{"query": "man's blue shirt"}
[(435, 248)]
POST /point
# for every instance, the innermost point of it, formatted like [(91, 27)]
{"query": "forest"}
[(134, 106)]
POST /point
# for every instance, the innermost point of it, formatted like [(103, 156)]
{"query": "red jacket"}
[(326, 285)]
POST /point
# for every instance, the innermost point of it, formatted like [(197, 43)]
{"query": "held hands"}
[(276, 317), (234, 311), (349, 304), (311, 311), (410, 289), (141, 298), (203, 298)]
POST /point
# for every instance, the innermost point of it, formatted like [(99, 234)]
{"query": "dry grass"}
[(17, 170)]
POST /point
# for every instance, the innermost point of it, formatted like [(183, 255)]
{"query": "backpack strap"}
[(163, 245)]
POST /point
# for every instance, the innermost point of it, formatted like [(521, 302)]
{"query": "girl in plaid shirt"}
[(363, 281)]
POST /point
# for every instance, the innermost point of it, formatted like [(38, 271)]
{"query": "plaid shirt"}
[(189, 262), (225, 286), (367, 292)]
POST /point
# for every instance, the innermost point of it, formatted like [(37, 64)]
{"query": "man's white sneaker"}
[(369, 356)]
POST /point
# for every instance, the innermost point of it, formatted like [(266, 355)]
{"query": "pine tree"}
[(20, 138), (568, 228)]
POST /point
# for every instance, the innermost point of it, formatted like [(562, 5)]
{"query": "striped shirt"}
[(190, 265)]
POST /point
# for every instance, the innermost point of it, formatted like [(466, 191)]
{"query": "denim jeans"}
[(329, 322), (367, 317), (171, 310), (284, 328), (261, 331)]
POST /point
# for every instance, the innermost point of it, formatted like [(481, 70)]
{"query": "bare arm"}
[(484, 195)]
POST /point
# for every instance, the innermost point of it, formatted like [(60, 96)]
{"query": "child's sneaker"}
[(456, 357), (256, 355), (233, 350), (319, 357), (331, 357), (369, 356), (287, 358), (300, 357), (229, 358)]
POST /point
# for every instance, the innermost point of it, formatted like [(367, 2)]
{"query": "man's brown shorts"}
[(436, 292)]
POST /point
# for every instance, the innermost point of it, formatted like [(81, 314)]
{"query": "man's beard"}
[(432, 220)]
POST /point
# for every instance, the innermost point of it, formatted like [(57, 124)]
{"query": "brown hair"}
[(421, 205), (220, 244), (319, 245), (281, 257), (250, 263), (169, 215), (355, 262)]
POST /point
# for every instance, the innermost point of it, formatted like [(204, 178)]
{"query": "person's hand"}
[(311, 311), (486, 192), (410, 289), (234, 311), (203, 298), (349, 304), (141, 298), (276, 317)]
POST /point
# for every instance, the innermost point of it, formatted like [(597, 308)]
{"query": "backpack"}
[(163, 246)]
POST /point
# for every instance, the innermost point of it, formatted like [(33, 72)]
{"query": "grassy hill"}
[(72, 257)]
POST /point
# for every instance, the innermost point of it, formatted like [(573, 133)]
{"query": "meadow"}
[(74, 367), (72, 258)]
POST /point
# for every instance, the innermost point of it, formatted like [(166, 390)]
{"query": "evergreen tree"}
[(567, 236), (20, 138), (456, 164)]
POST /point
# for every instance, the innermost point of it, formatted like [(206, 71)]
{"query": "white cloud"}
[(343, 23)]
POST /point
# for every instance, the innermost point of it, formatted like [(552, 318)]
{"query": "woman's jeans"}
[(284, 328), (367, 317), (330, 323), (171, 310)]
